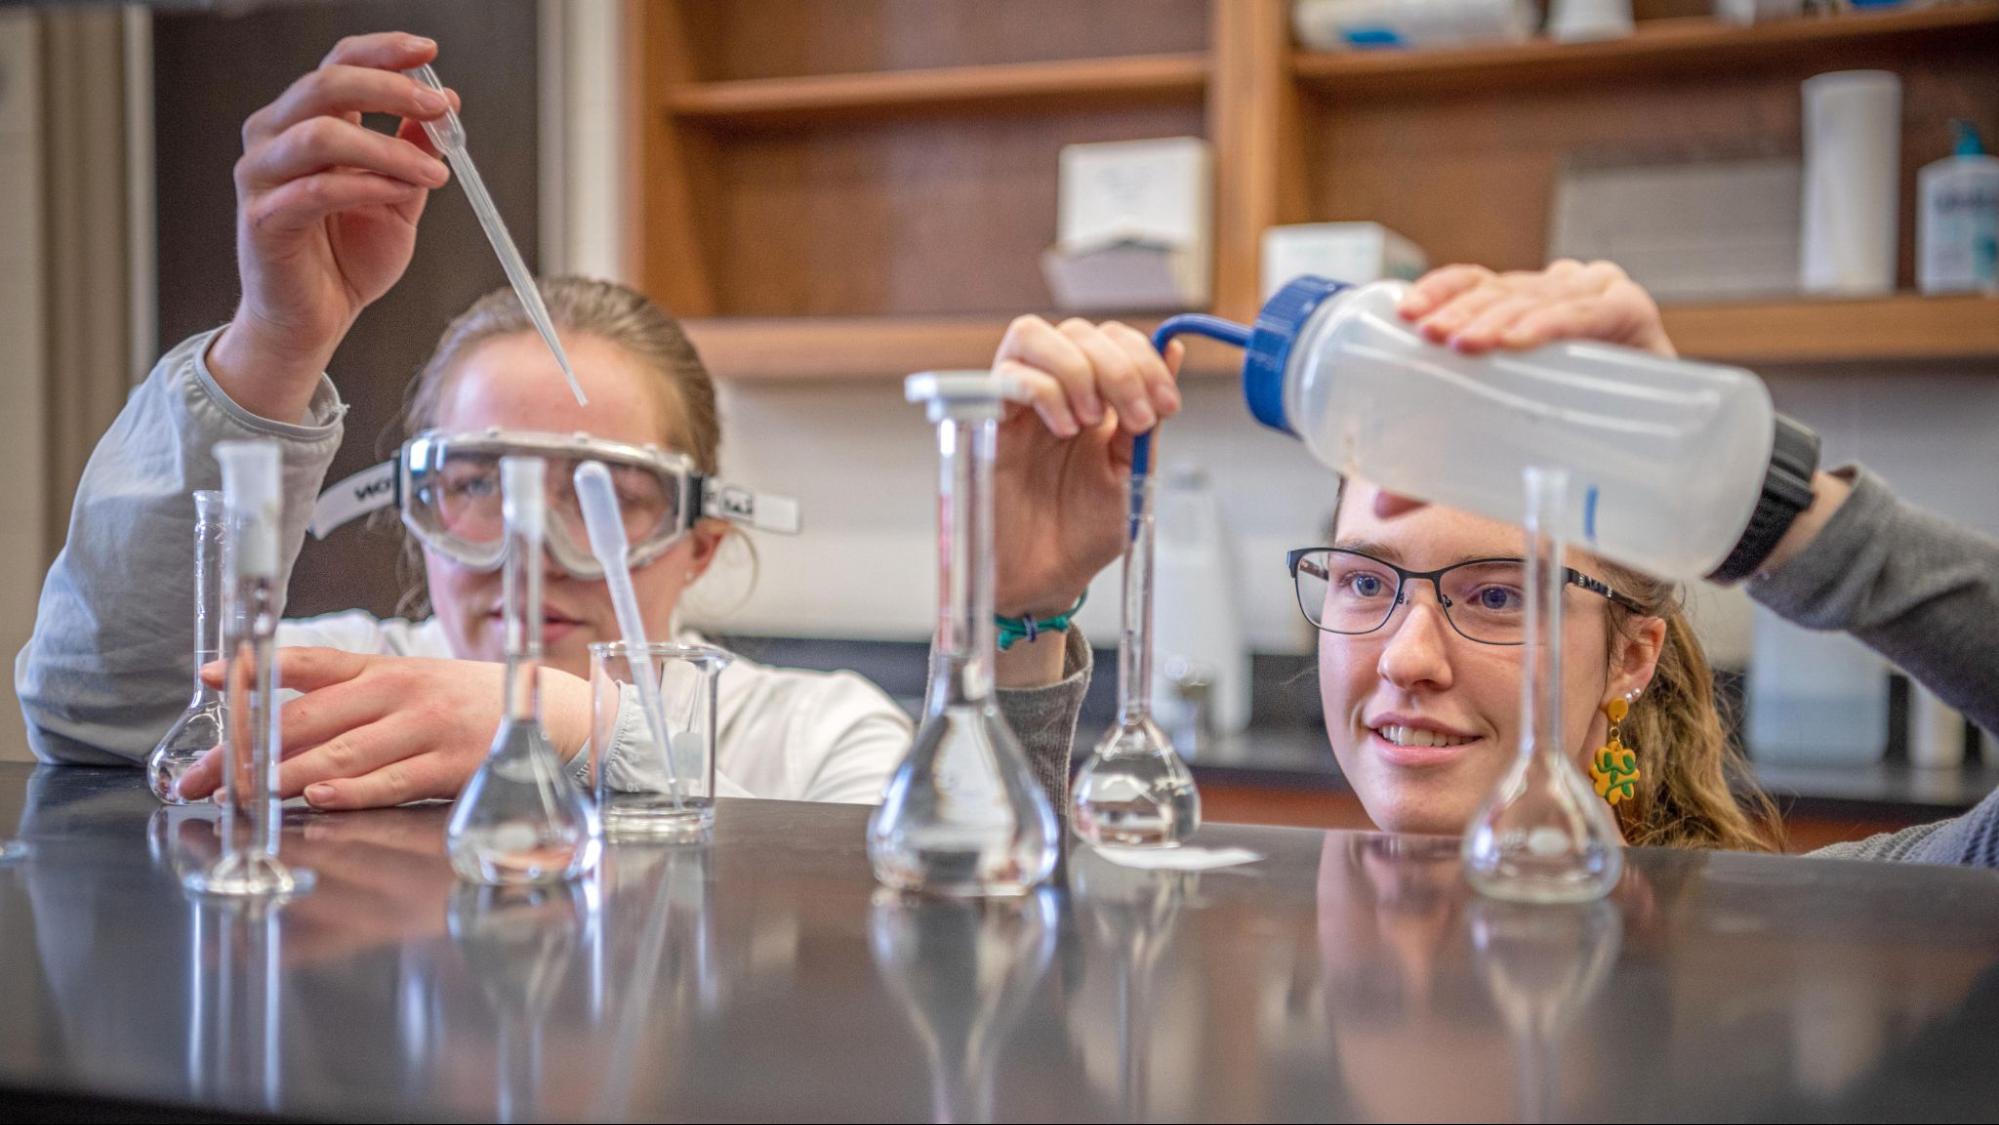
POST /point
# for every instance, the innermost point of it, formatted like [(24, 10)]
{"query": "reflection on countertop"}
[(1345, 976)]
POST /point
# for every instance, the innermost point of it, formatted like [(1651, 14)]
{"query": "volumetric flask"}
[(199, 728), (963, 814), (521, 819), (1543, 835), (1134, 790)]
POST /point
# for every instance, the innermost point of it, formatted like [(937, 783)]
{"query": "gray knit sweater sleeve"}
[(107, 669), (1920, 590), (1967, 840), (1044, 719), (1924, 592)]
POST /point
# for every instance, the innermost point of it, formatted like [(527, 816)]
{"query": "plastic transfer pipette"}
[(599, 501), (448, 134)]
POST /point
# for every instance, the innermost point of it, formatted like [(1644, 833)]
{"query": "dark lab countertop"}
[(767, 978)]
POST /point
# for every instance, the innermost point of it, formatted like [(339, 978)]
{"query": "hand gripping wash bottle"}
[(1681, 469)]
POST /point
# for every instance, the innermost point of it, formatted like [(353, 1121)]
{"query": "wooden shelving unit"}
[(1908, 328), (855, 189)]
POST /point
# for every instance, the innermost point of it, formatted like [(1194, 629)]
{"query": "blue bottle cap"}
[(1967, 138), (1277, 328)]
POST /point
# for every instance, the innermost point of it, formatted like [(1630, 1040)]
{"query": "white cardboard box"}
[(1356, 253), (1686, 229), (1133, 225)]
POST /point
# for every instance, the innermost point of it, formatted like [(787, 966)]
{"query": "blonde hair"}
[(1693, 790), (688, 416)]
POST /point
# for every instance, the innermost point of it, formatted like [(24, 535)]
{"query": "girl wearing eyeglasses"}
[(1419, 609)]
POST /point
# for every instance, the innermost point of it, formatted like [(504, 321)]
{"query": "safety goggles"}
[(447, 487)]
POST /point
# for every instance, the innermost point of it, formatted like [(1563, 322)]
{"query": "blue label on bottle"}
[(1371, 37)]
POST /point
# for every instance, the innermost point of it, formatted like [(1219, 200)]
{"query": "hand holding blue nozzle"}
[(448, 134)]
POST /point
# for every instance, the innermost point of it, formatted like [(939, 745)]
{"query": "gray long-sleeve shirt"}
[(1922, 591)]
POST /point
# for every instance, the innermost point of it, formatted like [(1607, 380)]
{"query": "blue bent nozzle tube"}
[(1267, 345), (1186, 324)]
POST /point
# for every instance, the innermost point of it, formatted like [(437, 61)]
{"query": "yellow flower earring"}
[(1614, 767)]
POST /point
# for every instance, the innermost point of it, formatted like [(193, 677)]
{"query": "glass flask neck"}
[(208, 526), (1541, 687), (1135, 641), (962, 671), (521, 580)]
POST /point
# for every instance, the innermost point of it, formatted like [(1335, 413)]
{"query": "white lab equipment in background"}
[(1957, 219), (1756, 11), (1575, 21), (1133, 227), (1853, 167), (1936, 730), (1335, 25), (1356, 253), (1815, 698), (1196, 625)]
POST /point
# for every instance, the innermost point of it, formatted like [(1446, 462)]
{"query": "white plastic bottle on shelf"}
[(1194, 584), (1957, 222), (1338, 25), (1680, 468), (1936, 731)]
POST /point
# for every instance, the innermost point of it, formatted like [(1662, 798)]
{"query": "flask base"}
[(247, 875)]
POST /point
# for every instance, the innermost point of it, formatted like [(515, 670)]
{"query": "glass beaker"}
[(521, 820), (199, 728), (646, 791), (963, 814), (1134, 790), (1543, 835), (253, 600)]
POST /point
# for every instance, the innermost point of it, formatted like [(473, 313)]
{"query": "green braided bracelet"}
[(1025, 628)]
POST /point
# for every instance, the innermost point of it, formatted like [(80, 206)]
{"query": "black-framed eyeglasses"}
[(1485, 600)]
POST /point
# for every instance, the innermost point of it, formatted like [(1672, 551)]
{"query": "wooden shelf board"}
[(860, 348), (1793, 332), (880, 95), (1687, 44), (1906, 328)]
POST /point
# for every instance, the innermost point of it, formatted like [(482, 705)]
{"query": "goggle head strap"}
[(370, 490), (764, 511)]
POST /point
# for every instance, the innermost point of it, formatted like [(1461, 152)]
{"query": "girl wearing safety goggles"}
[(397, 710)]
